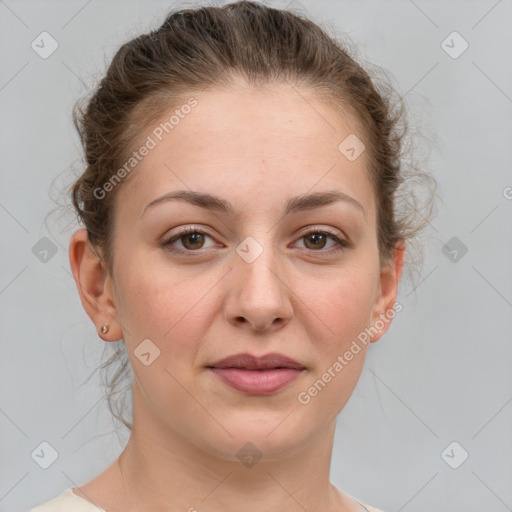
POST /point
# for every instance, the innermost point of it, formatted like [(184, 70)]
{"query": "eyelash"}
[(167, 244)]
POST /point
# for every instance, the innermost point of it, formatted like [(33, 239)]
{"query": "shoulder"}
[(349, 498), (67, 501), (370, 508)]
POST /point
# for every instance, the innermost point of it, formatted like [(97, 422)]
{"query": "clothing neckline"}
[(75, 495)]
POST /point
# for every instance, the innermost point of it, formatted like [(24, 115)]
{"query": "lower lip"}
[(257, 382)]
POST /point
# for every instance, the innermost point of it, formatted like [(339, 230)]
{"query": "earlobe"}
[(384, 308), (92, 281)]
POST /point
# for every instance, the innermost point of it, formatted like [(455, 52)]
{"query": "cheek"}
[(339, 314), (161, 303), (340, 307), (342, 303)]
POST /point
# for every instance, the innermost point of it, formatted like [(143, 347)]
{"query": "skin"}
[(255, 149)]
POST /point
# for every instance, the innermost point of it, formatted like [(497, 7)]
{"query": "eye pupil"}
[(195, 237), (316, 237)]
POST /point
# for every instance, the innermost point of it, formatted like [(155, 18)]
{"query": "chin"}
[(261, 434)]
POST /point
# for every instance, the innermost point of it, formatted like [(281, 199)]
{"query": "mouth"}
[(257, 375)]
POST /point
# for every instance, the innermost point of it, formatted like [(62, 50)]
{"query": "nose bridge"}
[(259, 265)]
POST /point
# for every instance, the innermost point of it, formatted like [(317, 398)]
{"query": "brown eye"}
[(192, 241), (315, 241)]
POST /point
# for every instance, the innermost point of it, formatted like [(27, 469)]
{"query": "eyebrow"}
[(299, 203)]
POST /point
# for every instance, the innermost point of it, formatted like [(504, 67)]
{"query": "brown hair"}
[(214, 46)]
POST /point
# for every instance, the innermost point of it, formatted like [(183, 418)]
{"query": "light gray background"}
[(443, 371)]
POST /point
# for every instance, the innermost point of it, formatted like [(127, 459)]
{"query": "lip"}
[(257, 375), (256, 382), (250, 362)]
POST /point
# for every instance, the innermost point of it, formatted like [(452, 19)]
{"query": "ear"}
[(388, 290), (94, 285)]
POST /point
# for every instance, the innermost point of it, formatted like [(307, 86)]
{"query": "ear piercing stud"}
[(104, 329)]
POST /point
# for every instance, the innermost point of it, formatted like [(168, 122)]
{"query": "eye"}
[(316, 240), (191, 239)]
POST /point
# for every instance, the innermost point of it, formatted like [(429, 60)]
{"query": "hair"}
[(241, 42)]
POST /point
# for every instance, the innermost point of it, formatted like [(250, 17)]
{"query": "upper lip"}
[(250, 362)]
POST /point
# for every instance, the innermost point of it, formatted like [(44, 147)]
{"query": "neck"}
[(161, 470)]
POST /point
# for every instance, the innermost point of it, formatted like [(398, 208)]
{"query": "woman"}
[(242, 238)]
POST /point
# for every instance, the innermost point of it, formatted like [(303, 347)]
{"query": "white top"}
[(68, 501)]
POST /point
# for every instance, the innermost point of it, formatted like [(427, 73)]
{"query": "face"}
[(264, 273)]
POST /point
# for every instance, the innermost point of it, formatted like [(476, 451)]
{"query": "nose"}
[(259, 297)]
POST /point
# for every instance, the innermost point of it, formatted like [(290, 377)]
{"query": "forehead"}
[(273, 140), (268, 117)]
